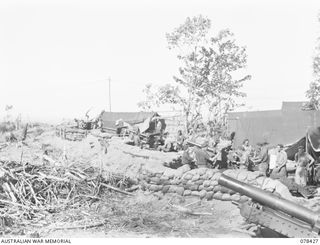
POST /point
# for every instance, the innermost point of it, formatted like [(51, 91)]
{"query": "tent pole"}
[(307, 141)]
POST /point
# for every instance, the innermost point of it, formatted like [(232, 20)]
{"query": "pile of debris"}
[(29, 192)]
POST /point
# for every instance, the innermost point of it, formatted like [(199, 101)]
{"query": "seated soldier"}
[(203, 159), (262, 158), (119, 126), (233, 159), (245, 152), (134, 137), (187, 158), (178, 144), (225, 157), (168, 144), (279, 170)]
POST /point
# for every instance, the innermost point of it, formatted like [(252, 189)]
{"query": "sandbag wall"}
[(183, 181), (203, 183)]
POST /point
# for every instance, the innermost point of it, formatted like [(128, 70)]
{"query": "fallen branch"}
[(80, 227), (133, 188), (53, 177), (15, 204), (135, 155), (192, 203), (116, 189)]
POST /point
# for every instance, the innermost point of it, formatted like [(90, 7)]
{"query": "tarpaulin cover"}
[(143, 120), (312, 145), (149, 125), (314, 138), (292, 149), (109, 118)]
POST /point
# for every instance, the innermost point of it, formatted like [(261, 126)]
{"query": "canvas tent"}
[(144, 120), (283, 126), (310, 142)]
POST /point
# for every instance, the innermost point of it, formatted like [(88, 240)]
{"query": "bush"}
[(7, 127)]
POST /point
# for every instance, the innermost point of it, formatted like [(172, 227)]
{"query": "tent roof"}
[(292, 105), (109, 118)]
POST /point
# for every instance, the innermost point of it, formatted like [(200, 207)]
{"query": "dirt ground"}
[(116, 215), (146, 215)]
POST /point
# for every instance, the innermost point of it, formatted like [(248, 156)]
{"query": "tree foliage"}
[(151, 100), (313, 93), (207, 78)]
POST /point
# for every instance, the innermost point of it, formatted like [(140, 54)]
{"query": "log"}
[(116, 189), (80, 227)]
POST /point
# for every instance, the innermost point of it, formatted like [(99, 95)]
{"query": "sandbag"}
[(225, 197), (217, 188), (165, 188), (195, 193), (243, 175), (187, 176), (209, 195), (195, 177), (217, 195), (187, 193), (209, 188), (155, 180), (194, 187), (206, 183), (253, 176), (198, 182), (179, 190), (243, 199), (175, 181), (202, 194), (213, 183), (216, 176), (235, 197)]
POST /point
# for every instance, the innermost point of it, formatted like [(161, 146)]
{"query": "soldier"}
[(261, 160), (280, 164), (304, 163), (187, 156), (178, 144), (202, 157)]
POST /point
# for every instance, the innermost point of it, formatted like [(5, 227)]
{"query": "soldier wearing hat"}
[(202, 157), (261, 161)]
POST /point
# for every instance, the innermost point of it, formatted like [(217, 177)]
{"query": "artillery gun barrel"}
[(270, 200)]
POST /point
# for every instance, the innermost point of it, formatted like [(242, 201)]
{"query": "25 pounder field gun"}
[(273, 212)]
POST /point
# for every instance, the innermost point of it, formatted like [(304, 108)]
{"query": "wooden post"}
[(307, 141)]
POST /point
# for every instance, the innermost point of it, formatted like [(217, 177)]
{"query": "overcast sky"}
[(56, 56)]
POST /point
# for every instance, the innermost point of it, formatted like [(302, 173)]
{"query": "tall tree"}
[(313, 93), (207, 76)]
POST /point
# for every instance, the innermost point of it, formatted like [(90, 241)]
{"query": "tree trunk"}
[(187, 121), (24, 133)]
